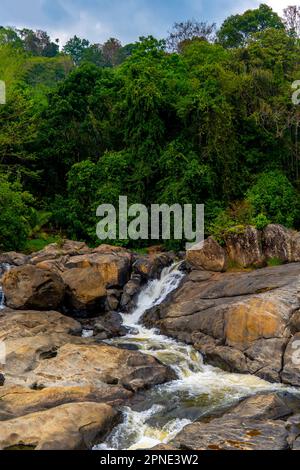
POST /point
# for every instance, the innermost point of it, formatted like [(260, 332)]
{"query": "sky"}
[(127, 20)]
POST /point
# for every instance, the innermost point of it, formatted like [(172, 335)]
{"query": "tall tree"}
[(110, 51), (187, 31), (76, 48), (291, 16), (237, 29), (39, 43)]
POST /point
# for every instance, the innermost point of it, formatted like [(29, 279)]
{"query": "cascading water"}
[(3, 268), (200, 389)]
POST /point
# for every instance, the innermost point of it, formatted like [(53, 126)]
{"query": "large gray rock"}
[(277, 243), (233, 434), (48, 364), (114, 267), (244, 248), (207, 255), (261, 422), (95, 364), (291, 362)]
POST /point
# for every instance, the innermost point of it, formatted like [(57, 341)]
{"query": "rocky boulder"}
[(233, 434), (67, 427), (291, 363), (109, 325), (151, 266), (95, 364), (244, 248), (207, 255), (18, 401), (277, 243), (13, 258), (43, 354), (256, 423), (295, 247), (56, 250), (28, 287), (16, 324), (130, 293), (85, 289), (114, 268)]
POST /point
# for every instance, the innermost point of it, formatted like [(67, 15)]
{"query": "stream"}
[(162, 412)]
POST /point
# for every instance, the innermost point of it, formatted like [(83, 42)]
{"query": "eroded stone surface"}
[(208, 255), (242, 322), (68, 427), (28, 287), (257, 423)]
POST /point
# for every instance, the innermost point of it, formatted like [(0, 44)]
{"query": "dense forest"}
[(205, 116)]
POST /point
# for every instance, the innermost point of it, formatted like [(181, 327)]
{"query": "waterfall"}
[(155, 292), (199, 390)]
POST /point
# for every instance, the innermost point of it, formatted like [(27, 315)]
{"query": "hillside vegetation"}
[(203, 117)]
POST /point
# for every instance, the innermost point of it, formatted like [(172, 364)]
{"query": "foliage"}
[(14, 215), (237, 29), (274, 196), (187, 120), (186, 31)]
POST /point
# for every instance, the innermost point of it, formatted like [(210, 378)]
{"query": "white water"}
[(3, 268), (200, 388)]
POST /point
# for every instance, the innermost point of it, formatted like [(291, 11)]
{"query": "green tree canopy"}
[(237, 29)]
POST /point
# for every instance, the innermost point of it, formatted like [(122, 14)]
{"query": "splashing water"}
[(199, 390)]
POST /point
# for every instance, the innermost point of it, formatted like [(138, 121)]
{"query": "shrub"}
[(14, 215), (275, 197), (261, 221)]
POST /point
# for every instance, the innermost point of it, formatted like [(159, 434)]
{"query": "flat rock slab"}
[(92, 364), (67, 427), (17, 401), (233, 434)]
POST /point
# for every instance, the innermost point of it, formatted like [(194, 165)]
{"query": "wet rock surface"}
[(262, 422), (243, 322), (60, 390)]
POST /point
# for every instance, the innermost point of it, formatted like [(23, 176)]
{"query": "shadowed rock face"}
[(76, 279), (242, 322), (28, 287), (263, 422)]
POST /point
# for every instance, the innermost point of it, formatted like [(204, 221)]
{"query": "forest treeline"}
[(205, 116)]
